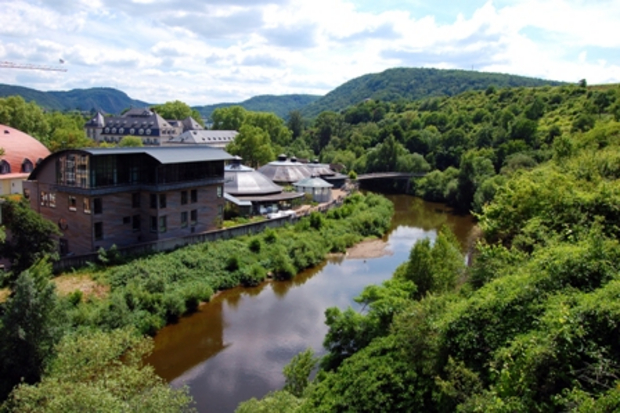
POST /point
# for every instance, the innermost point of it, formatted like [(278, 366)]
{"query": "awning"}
[(236, 201)]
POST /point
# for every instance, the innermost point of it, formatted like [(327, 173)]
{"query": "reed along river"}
[(234, 347)]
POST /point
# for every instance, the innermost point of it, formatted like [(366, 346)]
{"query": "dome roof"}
[(22, 152), (243, 180), (320, 169), (284, 170)]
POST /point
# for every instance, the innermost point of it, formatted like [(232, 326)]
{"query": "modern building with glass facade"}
[(101, 197)]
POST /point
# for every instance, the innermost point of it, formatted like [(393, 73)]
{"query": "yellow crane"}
[(11, 65)]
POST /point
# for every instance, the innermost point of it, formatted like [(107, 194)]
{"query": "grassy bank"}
[(149, 292)]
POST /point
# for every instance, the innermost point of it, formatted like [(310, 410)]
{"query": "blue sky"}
[(214, 51)]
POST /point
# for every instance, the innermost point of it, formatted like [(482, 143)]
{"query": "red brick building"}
[(101, 197)]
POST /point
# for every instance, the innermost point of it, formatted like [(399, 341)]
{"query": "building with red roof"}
[(22, 153)]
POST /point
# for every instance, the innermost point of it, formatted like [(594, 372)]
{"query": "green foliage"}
[(274, 402), (435, 269), (31, 237), (177, 110), (253, 145), (32, 324), (297, 372), (131, 142), (96, 371)]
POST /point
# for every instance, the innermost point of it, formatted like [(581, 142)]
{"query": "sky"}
[(212, 51)]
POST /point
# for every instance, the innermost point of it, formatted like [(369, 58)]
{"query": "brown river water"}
[(234, 347)]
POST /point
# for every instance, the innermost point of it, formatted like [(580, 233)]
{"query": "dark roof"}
[(168, 154), (163, 154)]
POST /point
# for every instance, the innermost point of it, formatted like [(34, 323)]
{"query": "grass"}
[(68, 283)]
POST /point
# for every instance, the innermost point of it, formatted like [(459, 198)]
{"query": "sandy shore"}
[(373, 248)]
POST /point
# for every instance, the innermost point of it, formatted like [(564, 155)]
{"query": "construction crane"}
[(11, 65)]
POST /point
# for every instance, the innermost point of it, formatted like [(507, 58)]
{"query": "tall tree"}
[(230, 118), (253, 145), (295, 123), (32, 324), (29, 238), (177, 110), (26, 117)]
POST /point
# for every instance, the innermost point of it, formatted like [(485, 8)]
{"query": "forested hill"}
[(102, 98), (280, 105), (413, 83)]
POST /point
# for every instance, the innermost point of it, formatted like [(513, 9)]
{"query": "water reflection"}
[(234, 348)]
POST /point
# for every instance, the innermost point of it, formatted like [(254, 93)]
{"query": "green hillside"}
[(42, 99), (108, 100), (532, 322), (413, 83), (280, 105)]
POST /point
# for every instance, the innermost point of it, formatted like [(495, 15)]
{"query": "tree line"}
[(531, 325)]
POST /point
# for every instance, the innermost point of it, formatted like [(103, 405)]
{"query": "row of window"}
[(158, 224), (27, 166), (48, 199)]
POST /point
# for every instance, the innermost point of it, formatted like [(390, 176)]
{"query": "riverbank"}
[(235, 346), (151, 292), (372, 248)]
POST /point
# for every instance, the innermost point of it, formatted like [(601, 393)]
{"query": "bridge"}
[(389, 175)]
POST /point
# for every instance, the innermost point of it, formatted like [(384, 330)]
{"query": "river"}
[(234, 347)]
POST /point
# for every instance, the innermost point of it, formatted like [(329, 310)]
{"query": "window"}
[(98, 207), (162, 224), (52, 197), (135, 200), (194, 196), (153, 224), (64, 246), (183, 197), (86, 204), (126, 220), (219, 191), (135, 224), (5, 168), (184, 219), (27, 165), (220, 211), (162, 201), (98, 231), (193, 217), (153, 202), (72, 203)]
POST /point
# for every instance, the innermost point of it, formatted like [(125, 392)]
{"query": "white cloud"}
[(159, 50)]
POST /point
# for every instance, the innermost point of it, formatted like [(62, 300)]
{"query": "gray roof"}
[(97, 121), (209, 137), (320, 169), (190, 123), (243, 180), (168, 154), (285, 171), (135, 121), (313, 183)]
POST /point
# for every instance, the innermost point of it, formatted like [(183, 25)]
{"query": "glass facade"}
[(86, 171)]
